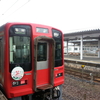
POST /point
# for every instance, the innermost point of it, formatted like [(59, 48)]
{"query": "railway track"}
[(83, 74)]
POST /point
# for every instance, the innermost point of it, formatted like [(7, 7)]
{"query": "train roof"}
[(38, 25)]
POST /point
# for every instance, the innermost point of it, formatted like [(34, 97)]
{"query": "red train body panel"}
[(38, 43)]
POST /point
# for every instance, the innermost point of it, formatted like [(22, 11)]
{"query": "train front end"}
[(34, 64)]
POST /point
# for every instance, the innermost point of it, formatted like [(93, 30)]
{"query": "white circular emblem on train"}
[(17, 73)]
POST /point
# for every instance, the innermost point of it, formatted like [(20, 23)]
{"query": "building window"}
[(75, 48)]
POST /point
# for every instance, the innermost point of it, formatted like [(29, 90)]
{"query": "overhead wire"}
[(20, 7), (10, 7), (16, 9)]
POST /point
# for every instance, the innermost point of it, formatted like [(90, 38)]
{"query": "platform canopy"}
[(88, 36)]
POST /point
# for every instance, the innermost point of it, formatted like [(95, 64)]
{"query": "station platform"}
[(87, 60)]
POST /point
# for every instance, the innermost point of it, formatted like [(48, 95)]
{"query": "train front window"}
[(58, 51), (58, 48), (20, 52), (19, 49), (42, 52)]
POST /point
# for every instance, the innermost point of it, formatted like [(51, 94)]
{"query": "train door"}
[(43, 68), (43, 71)]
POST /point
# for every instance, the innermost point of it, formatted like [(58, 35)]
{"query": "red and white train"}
[(31, 62)]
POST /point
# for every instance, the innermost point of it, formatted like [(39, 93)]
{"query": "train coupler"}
[(56, 92), (48, 95)]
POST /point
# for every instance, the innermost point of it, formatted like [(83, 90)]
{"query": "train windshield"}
[(58, 49), (19, 49)]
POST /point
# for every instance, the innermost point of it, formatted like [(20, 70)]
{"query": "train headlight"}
[(17, 73), (59, 75), (20, 31), (56, 35)]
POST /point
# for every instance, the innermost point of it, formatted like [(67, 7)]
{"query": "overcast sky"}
[(66, 15)]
